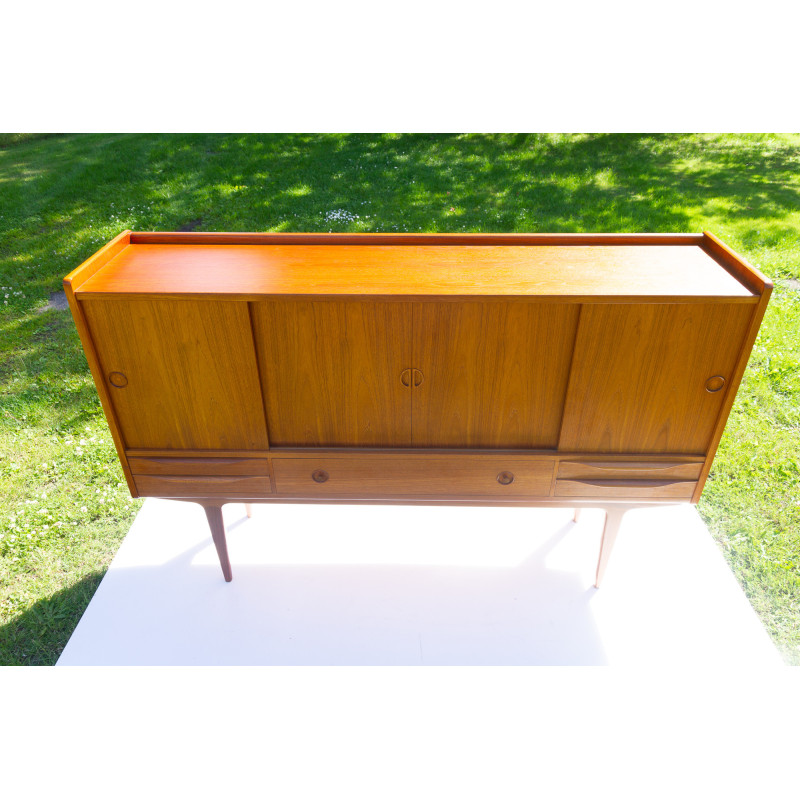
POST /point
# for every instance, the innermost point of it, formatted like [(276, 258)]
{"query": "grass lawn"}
[(64, 507)]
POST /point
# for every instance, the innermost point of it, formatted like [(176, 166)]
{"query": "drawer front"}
[(152, 465), (419, 476), (633, 469), (190, 486), (631, 489)]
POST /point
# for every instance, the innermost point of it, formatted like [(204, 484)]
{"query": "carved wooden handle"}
[(411, 376), (504, 478), (637, 466), (629, 483), (118, 379), (319, 475)]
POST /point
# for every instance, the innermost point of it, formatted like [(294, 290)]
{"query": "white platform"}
[(369, 585)]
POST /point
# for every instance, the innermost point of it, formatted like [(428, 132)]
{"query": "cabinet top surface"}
[(417, 270)]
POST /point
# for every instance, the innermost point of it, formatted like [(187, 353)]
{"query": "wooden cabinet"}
[(479, 369)]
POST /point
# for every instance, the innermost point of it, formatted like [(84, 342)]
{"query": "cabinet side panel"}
[(738, 373), (640, 376), (188, 369), (96, 369), (330, 372), (495, 373)]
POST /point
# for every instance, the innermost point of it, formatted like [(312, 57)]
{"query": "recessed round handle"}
[(117, 379), (411, 377), (504, 478), (715, 383), (319, 475)]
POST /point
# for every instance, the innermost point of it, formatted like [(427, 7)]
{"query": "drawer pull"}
[(117, 379), (504, 478), (633, 466), (715, 383), (319, 475), (627, 484), (411, 376)]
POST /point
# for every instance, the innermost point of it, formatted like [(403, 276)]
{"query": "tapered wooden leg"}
[(248, 507), (577, 516), (214, 515), (614, 516)]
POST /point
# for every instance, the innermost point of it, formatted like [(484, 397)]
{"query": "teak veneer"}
[(477, 369)]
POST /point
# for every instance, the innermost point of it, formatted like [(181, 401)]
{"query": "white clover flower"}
[(84, 509)]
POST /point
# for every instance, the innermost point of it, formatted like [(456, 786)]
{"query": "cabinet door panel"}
[(639, 374), (331, 370), (190, 372), (494, 373)]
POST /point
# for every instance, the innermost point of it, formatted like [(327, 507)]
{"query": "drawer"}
[(633, 468), (633, 489), (412, 475), (231, 486), (152, 465)]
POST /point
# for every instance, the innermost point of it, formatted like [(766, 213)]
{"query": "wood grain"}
[(217, 526), (495, 373), (649, 489), (95, 262), (733, 386), (412, 270), (414, 474), (331, 372), (639, 372), (92, 358), (191, 370), (644, 470), (154, 465), (738, 266), (230, 486)]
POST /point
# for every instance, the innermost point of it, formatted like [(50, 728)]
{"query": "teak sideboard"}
[(479, 369)]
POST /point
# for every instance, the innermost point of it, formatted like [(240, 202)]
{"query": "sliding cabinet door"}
[(332, 371), (492, 374), (181, 374), (651, 378)]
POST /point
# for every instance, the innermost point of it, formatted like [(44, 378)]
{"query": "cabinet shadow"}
[(346, 585)]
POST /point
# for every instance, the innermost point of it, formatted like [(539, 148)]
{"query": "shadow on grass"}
[(43, 370), (37, 636)]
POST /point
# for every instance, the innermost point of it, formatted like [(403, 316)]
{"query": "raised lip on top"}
[(731, 261)]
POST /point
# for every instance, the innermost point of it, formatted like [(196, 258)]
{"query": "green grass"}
[(64, 507)]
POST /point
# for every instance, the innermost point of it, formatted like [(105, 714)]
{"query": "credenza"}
[(567, 370)]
